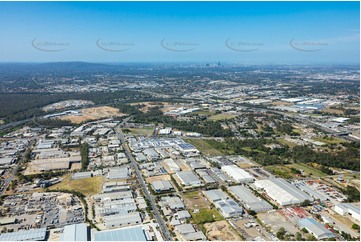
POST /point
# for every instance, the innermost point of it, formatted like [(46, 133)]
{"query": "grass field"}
[(281, 171), (206, 215), (141, 131), (285, 142), (330, 140), (204, 113), (87, 186), (206, 147), (222, 116), (308, 169)]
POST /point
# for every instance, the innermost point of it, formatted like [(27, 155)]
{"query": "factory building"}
[(237, 174), (188, 178), (162, 186), (315, 228), (249, 200), (134, 233), (75, 232), (282, 191), (25, 235), (224, 204), (348, 209)]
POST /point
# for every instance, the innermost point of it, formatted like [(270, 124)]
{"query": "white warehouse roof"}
[(237, 173), (249, 200), (282, 191)]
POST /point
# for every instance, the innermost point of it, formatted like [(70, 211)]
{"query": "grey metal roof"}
[(124, 234), (249, 199), (75, 232), (23, 235), (314, 227)]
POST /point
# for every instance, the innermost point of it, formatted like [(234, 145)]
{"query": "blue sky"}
[(237, 32)]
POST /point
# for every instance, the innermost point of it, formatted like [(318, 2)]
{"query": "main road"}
[(158, 217)]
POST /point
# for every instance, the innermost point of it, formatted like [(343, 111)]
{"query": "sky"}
[(234, 32)]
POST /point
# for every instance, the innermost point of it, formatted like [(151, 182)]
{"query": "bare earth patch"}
[(157, 178), (221, 231), (88, 114)]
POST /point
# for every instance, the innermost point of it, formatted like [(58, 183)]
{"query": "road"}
[(157, 215), (13, 172)]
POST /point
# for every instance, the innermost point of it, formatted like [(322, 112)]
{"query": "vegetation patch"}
[(86, 186)]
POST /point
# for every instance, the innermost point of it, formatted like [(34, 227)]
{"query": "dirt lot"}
[(88, 114), (195, 200), (157, 178), (148, 105), (275, 220), (221, 231)]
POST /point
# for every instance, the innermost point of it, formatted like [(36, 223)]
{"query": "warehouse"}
[(249, 200), (188, 178), (188, 149), (121, 220), (25, 235), (315, 228), (134, 233), (151, 154), (6, 161), (172, 165), (205, 176), (238, 174), (54, 164), (225, 205), (174, 203), (282, 192), (119, 172), (215, 195), (140, 157), (75, 232), (228, 208), (162, 186), (81, 175), (315, 194), (112, 196), (348, 209)]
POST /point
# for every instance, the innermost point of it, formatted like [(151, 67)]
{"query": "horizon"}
[(246, 33)]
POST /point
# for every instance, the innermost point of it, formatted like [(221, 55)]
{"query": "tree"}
[(281, 233), (298, 236), (306, 203), (356, 227)]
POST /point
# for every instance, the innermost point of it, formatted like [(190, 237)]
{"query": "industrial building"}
[(119, 220), (282, 191), (188, 178), (315, 228), (151, 154), (249, 200), (225, 205), (237, 174), (162, 186), (134, 233), (188, 232), (348, 209), (25, 235), (75, 232), (215, 195), (174, 203)]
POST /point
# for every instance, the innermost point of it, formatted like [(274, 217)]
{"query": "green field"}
[(208, 147), (87, 186), (206, 215), (329, 140), (308, 169), (222, 116), (141, 131), (204, 113), (281, 171), (285, 142)]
